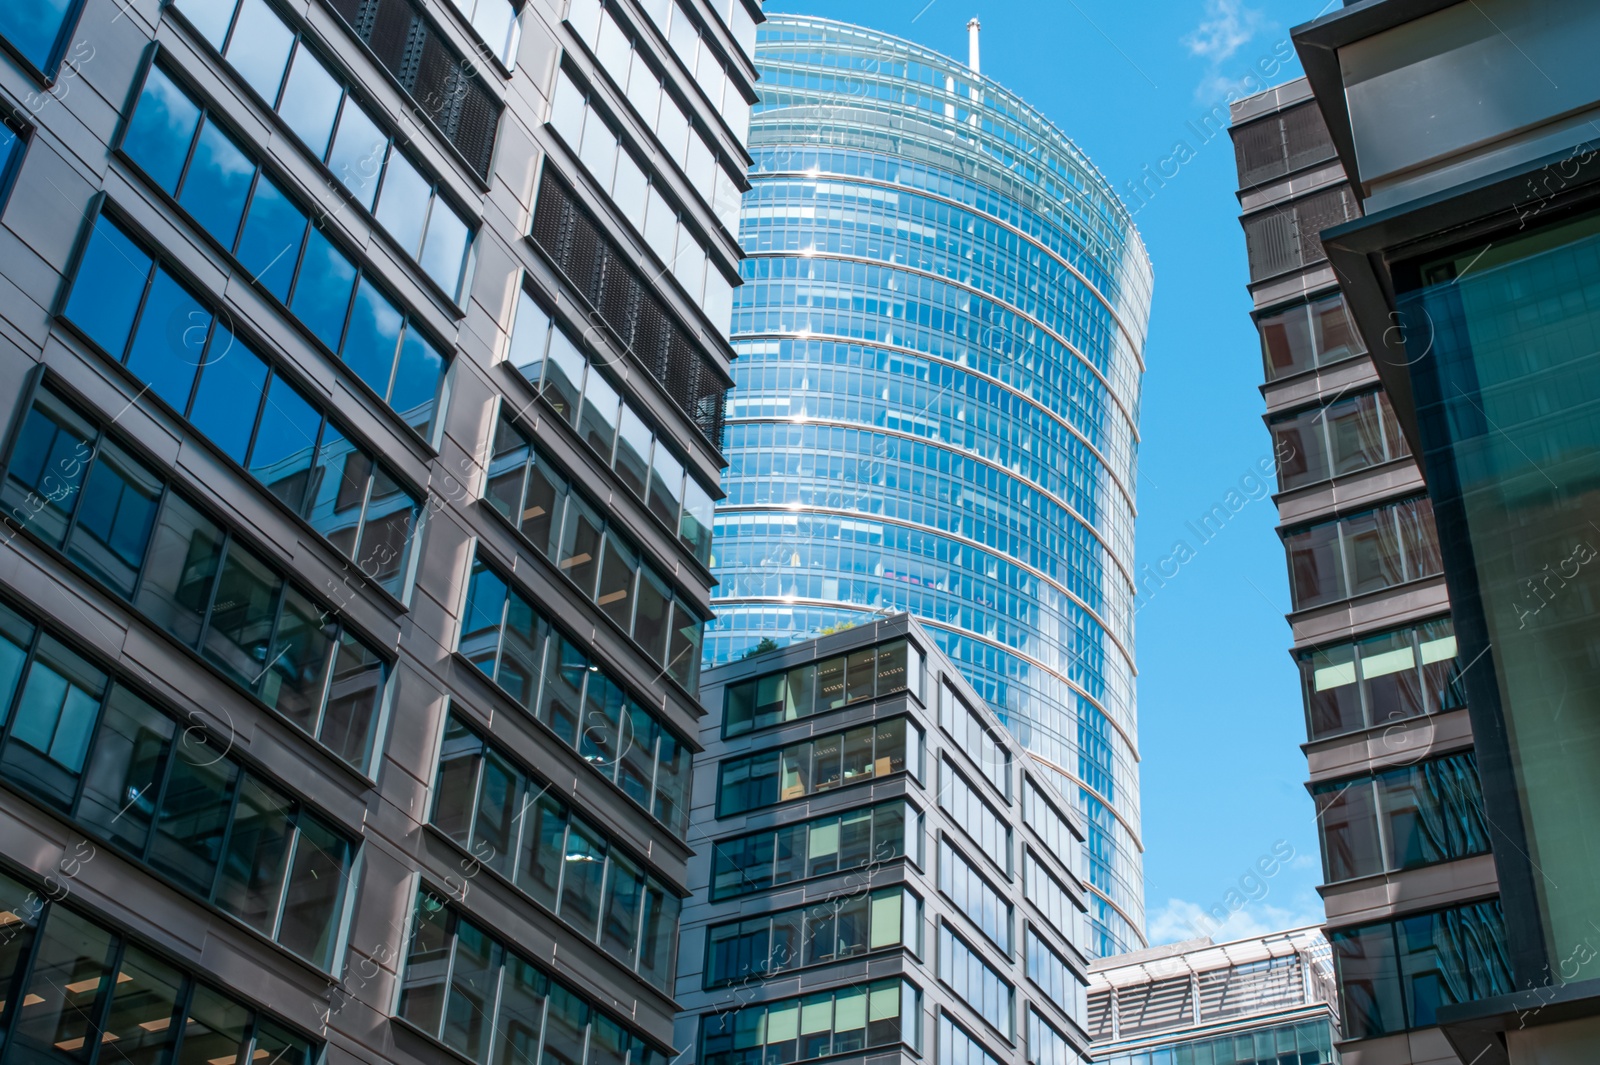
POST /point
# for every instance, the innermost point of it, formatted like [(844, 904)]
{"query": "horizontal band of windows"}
[(185, 351), (870, 752), (1351, 434), (818, 687), (285, 250), (638, 198), (1360, 553), (85, 493), (586, 547), (1310, 335), (691, 43), (444, 87), (829, 930), (569, 378), (482, 998), (281, 66), (149, 782), (626, 58), (643, 324), (824, 1024), (548, 674), (1404, 818), (511, 822), (1381, 679), (865, 838), (88, 994)]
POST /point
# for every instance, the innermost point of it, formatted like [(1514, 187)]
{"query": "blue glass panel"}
[(369, 349), (259, 48), (286, 443), (170, 342), (310, 101), (229, 395), (217, 184), (109, 284), (358, 150), (445, 249), (161, 129), (403, 207), (322, 291), (35, 28), (270, 246), (416, 382), (210, 17)]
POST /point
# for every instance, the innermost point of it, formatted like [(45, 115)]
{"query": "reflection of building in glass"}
[(883, 872), (936, 404), (1267, 1000), (1391, 753)]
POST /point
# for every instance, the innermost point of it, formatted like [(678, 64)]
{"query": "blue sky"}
[(1219, 704)]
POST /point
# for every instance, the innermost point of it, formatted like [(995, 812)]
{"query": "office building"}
[(939, 339), (880, 872), (1406, 848), (1471, 276), (1266, 1000), (361, 371)]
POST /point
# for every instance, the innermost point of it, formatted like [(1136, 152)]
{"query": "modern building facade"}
[(1472, 276), (1410, 886), (1267, 1000), (881, 872), (361, 376), (936, 403)]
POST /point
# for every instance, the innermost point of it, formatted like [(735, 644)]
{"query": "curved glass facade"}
[(936, 403)]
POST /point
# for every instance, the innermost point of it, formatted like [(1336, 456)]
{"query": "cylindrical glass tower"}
[(937, 399)]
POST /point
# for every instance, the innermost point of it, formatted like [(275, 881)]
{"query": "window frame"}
[(58, 55)]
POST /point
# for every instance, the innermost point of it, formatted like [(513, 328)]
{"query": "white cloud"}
[(1229, 25), (1179, 920)]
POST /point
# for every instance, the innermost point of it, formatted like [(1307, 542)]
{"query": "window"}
[(818, 687), (975, 816), (846, 1021), (151, 546), (1049, 972), (1394, 976), (528, 491), (1407, 817), (974, 896), (1363, 553), (13, 143), (1046, 1045), (448, 990), (827, 931), (668, 352), (558, 370), (318, 283), (554, 680), (991, 755), (87, 987), (1051, 826), (956, 1047), (1352, 434), (975, 982), (1381, 679), (511, 822), (1318, 333), (1041, 888), (78, 740), (863, 838), (801, 769), (38, 31)]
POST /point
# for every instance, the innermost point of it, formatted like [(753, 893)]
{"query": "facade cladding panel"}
[(1393, 771), (936, 404), (337, 493), (885, 873)]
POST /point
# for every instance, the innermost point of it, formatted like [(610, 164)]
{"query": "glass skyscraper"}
[(936, 403)]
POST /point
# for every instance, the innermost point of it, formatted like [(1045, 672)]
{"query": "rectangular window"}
[(848, 1020), (1363, 553), (1401, 819), (190, 577), (863, 838), (976, 817), (974, 896), (1041, 888), (1381, 679), (1308, 335), (826, 931), (975, 982), (504, 635), (1394, 976), (79, 740), (778, 698), (981, 744), (1049, 972), (481, 998), (802, 769), (38, 31)]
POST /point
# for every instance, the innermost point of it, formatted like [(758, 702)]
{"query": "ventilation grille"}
[(1280, 144), (1162, 1004), (445, 85), (1100, 1015), (577, 247), (1290, 237)]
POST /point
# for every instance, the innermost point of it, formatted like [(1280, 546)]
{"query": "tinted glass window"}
[(170, 342), (322, 291), (108, 287), (161, 129), (259, 48), (37, 29), (270, 245), (310, 100)]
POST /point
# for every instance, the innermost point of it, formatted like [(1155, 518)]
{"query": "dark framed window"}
[(817, 687), (1307, 335), (861, 838), (1352, 434), (13, 145), (82, 491), (844, 1021), (1381, 679), (1360, 553), (974, 896), (1403, 818), (512, 822), (976, 983), (551, 677), (37, 31), (184, 150), (781, 774)]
